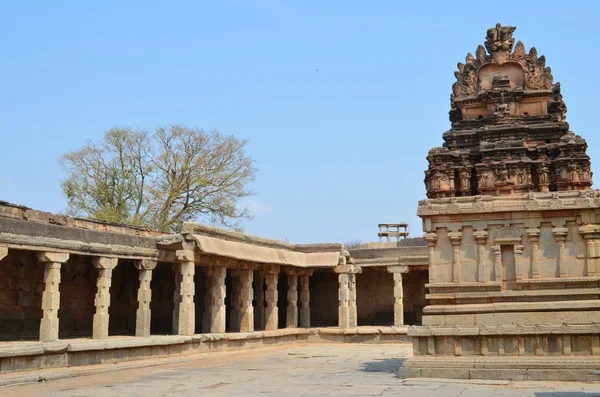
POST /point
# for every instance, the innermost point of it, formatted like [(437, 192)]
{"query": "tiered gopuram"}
[(512, 228)]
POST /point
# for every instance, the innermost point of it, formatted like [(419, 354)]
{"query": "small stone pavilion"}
[(78, 292), (512, 228)]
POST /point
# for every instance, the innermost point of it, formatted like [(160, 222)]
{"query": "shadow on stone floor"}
[(388, 366)]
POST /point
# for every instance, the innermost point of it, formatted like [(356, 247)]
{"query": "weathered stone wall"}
[(413, 285), (161, 306), (123, 298), (324, 299), (375, 296), (21, 287), (77, 293)]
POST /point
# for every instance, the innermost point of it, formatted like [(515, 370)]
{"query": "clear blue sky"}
[(340, 100)]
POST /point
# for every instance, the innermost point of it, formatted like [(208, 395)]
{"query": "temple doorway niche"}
[(78, 278), (123, 298), (375, 296), (413, 288), (162, 304), (324, 298), (199, 297), (282, 299), (509, 271), (21, 288)]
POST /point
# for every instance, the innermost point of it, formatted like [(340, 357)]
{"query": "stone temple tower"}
[(512, 227)]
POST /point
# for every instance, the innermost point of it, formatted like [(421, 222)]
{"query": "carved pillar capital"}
[(3, 252), (481, 237), (53, 257), (560, 233), (455, 238), (431, 239), (185, 256), (104, 262), (145, 264)]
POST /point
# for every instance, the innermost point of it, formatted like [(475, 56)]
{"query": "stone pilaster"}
[(497, 251), (246, 295), (534, 238), (560, 233), (292, 300), (518, 249), (187, 312), (259, 293), (591, 234), (105, 267), (305, 300), (144, 296), (271, 312), (482, 269), (51, 294), (455, 240), (218, 291), (431, 239)]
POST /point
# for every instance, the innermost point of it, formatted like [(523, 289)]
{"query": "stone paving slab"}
[(299, 370)]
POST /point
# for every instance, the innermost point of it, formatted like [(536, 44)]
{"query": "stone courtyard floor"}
[(297, 370)]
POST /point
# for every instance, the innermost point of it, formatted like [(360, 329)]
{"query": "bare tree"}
[(353, 244), (159, 179)]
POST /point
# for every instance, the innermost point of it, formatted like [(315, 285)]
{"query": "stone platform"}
[(572, 369), (20, 356)]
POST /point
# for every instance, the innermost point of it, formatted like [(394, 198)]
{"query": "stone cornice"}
[(585, 199)]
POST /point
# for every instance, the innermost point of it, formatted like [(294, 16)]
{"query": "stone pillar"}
[(271, 312), (105, 267), (186, 318), (218, 291), (346, 293), (51, 294), (398, 293), (291, 317), (305, 300), (206, 314), (144, 296), (235, 301), (482, 270), (497, 263), (3, 252), (353, 315), (455, 239), (398, 300), (246, 295), (560, 233), (534, 237), (431, 238), (344, 298), (259, 309)]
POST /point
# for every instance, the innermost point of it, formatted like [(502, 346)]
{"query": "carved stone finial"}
[(499, 39)]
